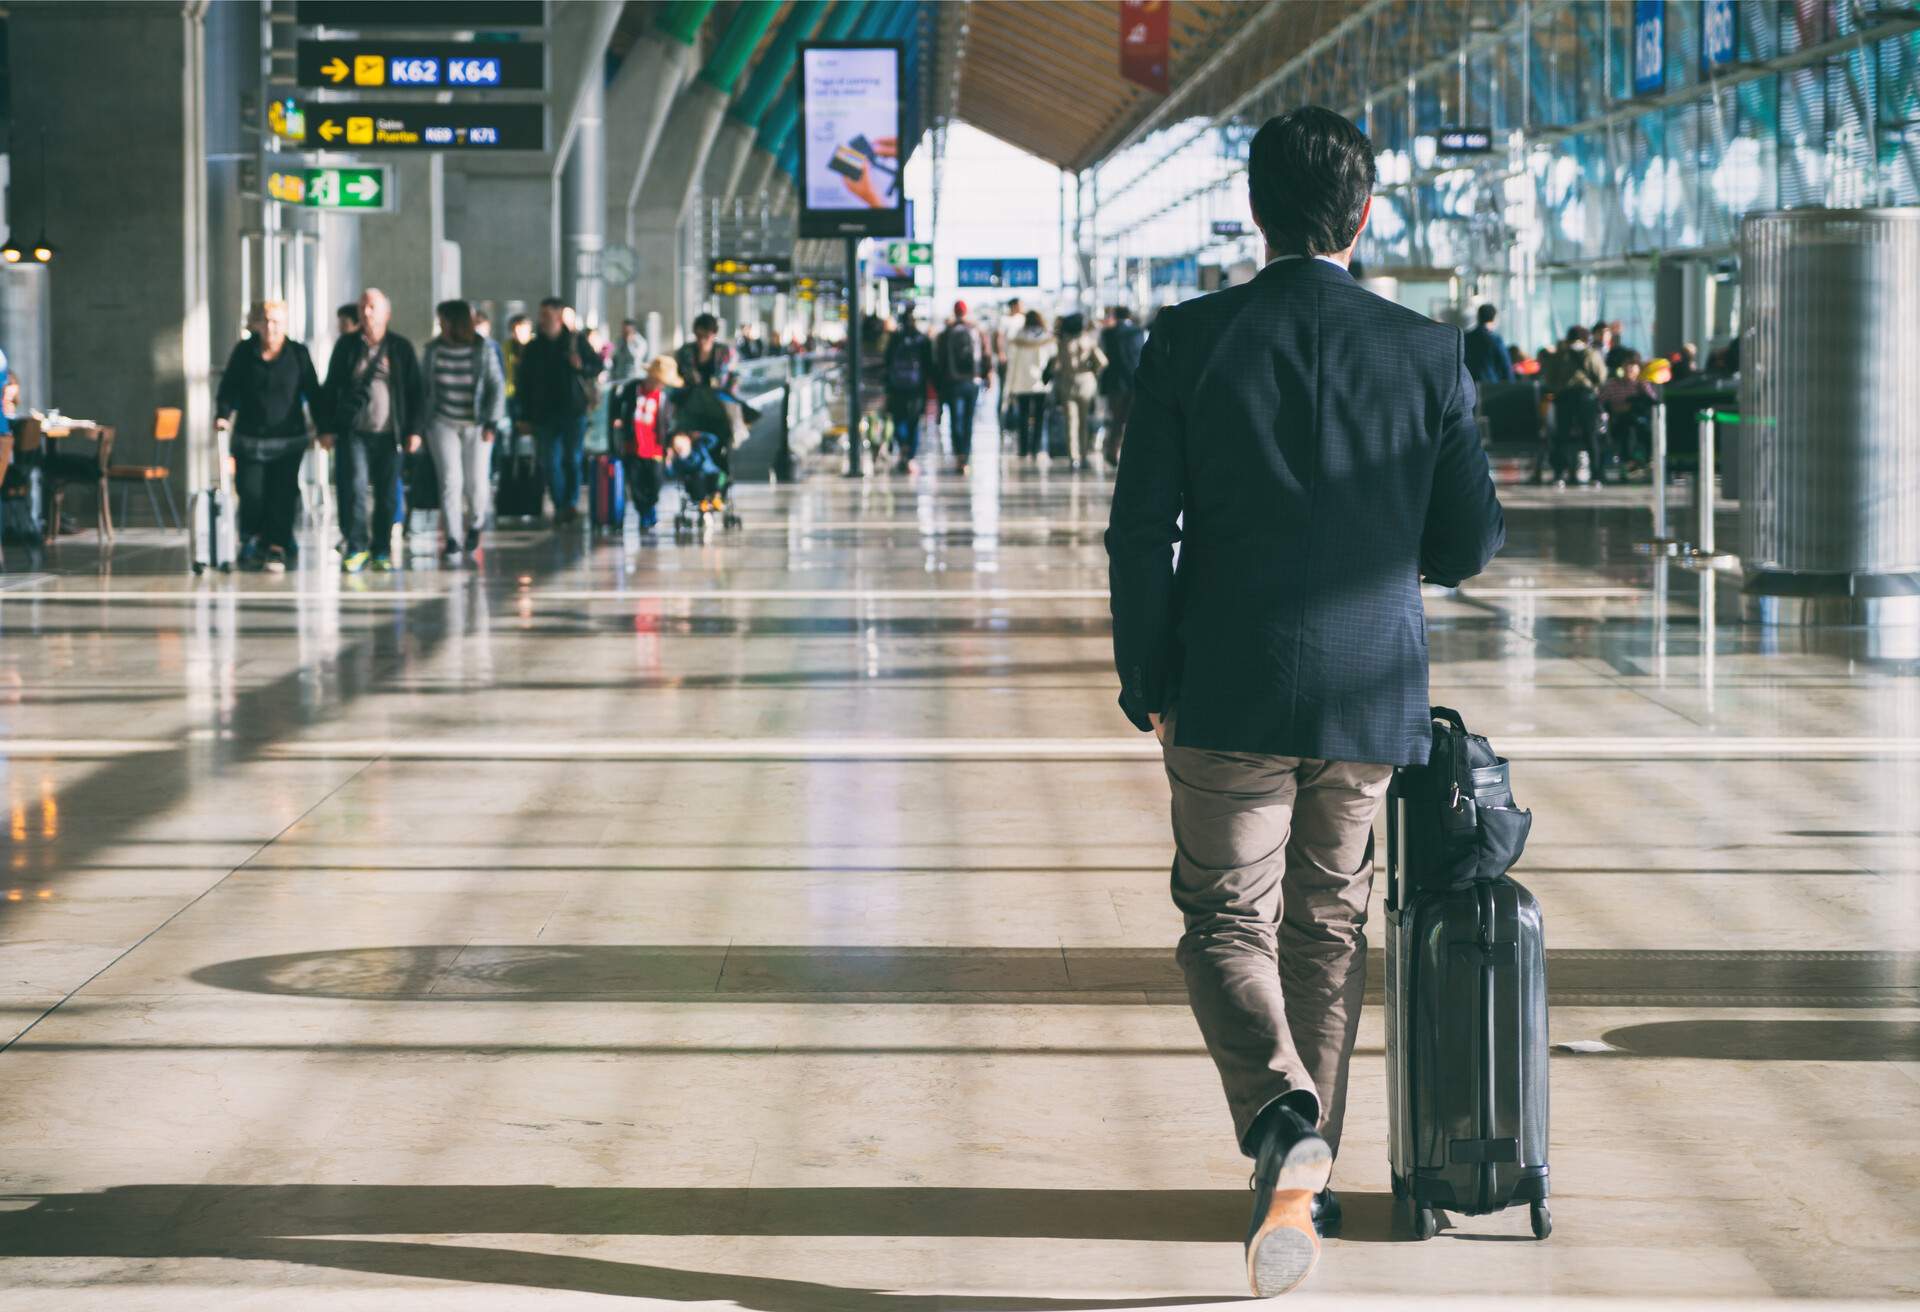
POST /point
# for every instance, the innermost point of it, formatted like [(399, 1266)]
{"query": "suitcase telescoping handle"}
[(1394, 830)]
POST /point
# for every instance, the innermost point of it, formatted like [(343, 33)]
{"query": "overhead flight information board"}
[(999, 273), (368, 126), (425, 15), (433, 65)]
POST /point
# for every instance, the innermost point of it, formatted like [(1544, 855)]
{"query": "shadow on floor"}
[(269, 1222), (1772, 1040), (743, 973)]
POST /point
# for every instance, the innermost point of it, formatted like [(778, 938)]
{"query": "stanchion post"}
[(1659, 471), (1703, 534), (856, 439)]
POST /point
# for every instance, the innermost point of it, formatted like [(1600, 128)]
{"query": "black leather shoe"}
[(1291, 1165), (1326, 1214)]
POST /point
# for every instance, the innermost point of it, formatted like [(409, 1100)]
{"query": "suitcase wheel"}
[(1542, 1217), (198, 569), (226, 569), (1426, 1222)]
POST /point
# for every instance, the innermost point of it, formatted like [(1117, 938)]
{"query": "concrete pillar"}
[(583, 209), (125, 207), (638, 104), (728, 158), (401, 253), (757, 173), (666, 197), (505, 224)]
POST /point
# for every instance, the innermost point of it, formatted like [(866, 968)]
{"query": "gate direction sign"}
[(904, 254), (425, 15), (439, 65), (999, 273), (746, 285), (362, 188), (819, 289), (368, 126), (752, 267), (1463, 141)]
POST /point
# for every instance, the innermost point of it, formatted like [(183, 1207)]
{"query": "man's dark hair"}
[(1577, 333), (458, 316), (350, 312), (1122, 313), (1487, 314), (516, 321), (705, 323), (628, 323), (1309, 174), (552, 303)]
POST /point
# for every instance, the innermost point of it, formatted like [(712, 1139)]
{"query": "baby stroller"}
[(704, 474)]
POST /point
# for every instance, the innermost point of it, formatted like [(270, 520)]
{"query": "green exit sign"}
[(904, 254), (365, 188)]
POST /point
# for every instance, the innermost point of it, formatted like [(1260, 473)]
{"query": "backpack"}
[(960, 351), (1461, 824), (903, 365)]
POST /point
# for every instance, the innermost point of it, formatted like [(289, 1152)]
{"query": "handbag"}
[(1462, 825)]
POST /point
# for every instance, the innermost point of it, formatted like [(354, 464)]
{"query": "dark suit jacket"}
[(406, 390), (1312, 449)]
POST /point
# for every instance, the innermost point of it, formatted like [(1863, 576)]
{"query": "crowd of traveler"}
[(442, 425)]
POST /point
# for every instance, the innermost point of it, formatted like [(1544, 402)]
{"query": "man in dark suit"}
[(1312, 450), (1487, 358)]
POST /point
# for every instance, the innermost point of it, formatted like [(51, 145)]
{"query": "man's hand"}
[(486, 434), (1159, 724), (222, 424), (413, 443), (326, 441)]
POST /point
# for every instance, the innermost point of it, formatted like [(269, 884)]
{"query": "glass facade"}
[(1621, 135)]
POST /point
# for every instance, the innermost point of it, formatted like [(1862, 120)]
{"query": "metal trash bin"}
[(1830, 404)]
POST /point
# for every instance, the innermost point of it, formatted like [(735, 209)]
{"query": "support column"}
[(583, 209), (638, 104), (129, 325), (664, 202), (404, 253)]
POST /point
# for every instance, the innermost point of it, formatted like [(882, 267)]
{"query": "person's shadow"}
[(273, 1223)]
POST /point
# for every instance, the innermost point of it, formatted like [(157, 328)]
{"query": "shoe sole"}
[(1283, 1251)]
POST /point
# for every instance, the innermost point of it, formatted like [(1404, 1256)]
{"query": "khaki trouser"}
[(1274, 865)]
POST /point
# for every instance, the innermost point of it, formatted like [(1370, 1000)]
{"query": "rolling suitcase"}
[(1466, 996), (213, 517), (521, 489), (607, 497)]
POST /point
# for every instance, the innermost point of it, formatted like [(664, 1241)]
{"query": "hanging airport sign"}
[(1649, 46), (751, 266), (426, 126), (1463, 141), (850, 116), (424, 15), (1229, 228), (999, 273), (747, 285), (429, 65), (359, 188), (819, 289), (1719, 33), (907, 254)]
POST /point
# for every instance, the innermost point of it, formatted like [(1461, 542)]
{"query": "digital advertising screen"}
[(850, 140)]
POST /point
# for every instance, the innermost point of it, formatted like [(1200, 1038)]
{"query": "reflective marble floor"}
[(780, 923)]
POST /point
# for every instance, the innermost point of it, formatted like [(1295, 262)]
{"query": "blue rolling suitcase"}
[(1466, 992)]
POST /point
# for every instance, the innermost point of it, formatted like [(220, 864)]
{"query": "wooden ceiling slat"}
[(1004, 38), (1048, 78), (1036, 105)]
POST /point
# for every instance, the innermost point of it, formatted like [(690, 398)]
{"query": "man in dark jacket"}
[(1312, 449), (1487, 358), (373, 401), (906, 367), (555, 388), (963, 359), (1121, 342)]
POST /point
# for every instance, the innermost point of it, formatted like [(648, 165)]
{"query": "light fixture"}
[(10, 252), (42, 251)]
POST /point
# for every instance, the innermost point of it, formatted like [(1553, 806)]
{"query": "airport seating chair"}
[(166, 428)]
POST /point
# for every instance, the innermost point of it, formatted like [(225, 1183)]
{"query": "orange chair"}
[(166, 428)]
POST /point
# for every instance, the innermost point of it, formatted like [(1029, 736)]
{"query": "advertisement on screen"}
[(850, 141)]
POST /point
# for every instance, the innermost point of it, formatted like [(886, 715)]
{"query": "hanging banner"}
[(850, 139), (1719, 34), (1143, 43)]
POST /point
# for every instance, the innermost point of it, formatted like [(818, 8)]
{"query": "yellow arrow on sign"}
[(329, 129), (335, 68)]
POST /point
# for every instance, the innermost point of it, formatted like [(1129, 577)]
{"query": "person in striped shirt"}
[(466, 408)]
